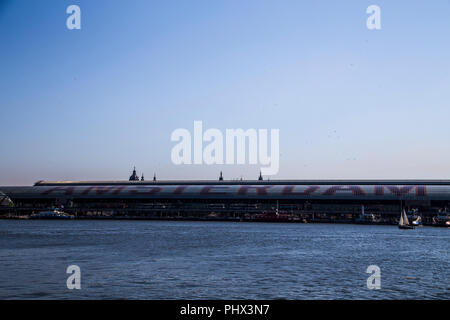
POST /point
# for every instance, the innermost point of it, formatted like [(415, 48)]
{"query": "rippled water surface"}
[(215, 260)]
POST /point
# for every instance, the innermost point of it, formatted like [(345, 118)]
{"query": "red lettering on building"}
[(421, 191), (400, 191), (103, 190), (259, 190), (207, 190), (379, 190), (179, 190), (289, 190), (68, 190), (356, 190), (146, 190)]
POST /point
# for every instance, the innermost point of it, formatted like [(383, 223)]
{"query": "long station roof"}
[(251, 182), (422, 190)]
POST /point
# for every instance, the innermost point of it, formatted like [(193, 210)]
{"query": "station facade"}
[(339, 200)]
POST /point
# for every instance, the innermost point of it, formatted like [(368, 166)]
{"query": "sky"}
[(349, 102)]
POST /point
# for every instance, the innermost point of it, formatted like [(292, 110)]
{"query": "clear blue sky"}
[(349, 102)]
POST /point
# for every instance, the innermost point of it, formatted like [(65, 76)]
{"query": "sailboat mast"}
[(401, 221)]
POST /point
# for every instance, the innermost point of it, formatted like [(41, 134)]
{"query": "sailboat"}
[(404, 223)]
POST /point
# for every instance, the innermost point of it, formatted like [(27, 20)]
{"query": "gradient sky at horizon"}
[(349, 102)]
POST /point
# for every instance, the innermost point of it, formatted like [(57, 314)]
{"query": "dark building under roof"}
[(226, 198)]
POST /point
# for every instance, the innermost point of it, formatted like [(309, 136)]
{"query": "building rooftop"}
[(252, 182)]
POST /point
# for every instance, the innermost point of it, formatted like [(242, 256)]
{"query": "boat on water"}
[(300, 219), (272, 216), (404, 222), (51, 214), (418, 222), (366, 218), (441, 220)]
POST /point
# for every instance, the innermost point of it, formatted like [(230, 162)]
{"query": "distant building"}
[(260, 176), (314, 200), (221, 176)]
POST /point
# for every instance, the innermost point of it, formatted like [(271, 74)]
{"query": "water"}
[(220, 260)]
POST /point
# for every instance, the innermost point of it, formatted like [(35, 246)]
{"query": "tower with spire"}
[(221, 176), (260, 176), (134, 176)]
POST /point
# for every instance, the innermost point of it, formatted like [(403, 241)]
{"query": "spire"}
[(260, 176), (154, 177), (142, 178), (221, 176), (134, 176)]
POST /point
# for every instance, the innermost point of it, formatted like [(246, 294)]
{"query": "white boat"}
[(418, 222)]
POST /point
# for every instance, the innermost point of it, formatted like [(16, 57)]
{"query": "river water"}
[(221, 260)]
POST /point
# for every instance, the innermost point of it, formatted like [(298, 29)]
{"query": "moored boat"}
[(441, 220), (51, 214), (418, 222), (366, 218)]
